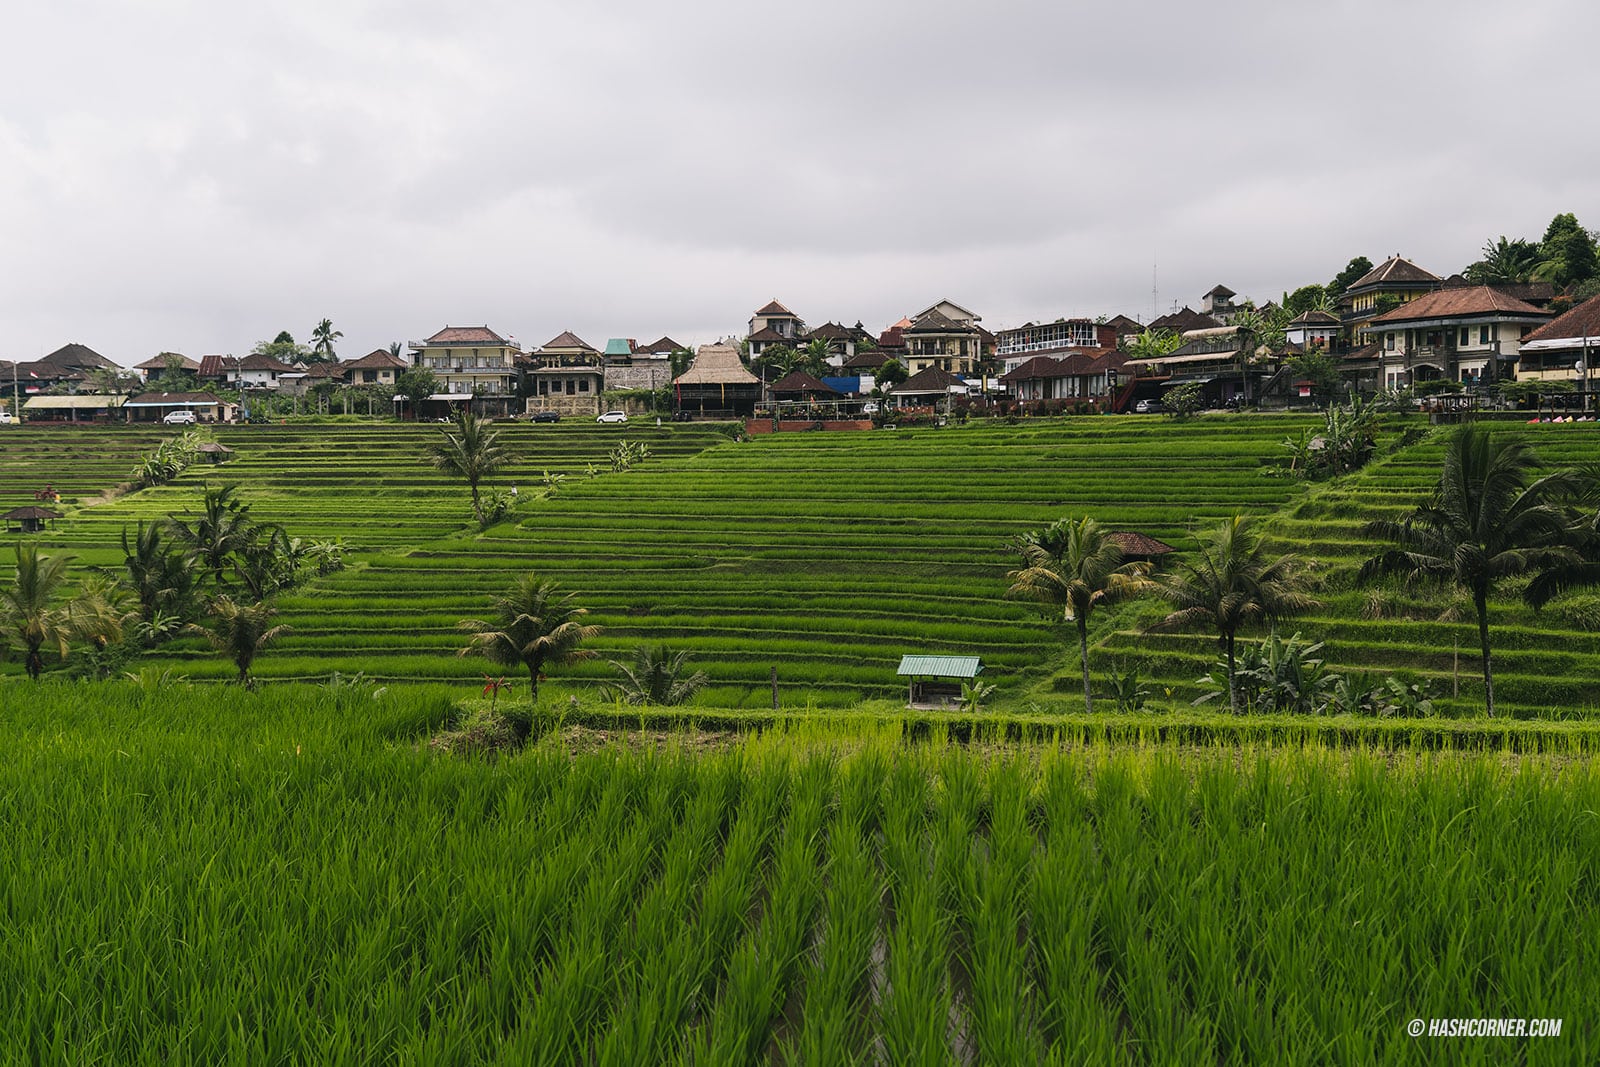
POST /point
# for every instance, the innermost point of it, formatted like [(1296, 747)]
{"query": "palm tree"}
[(1488, 519), (322, 339), (222, 529), (1505, 261), (1076, 566), (473, 451), (28, 611), (657, 676), (1232, 584), (535, 624), (241, 632), (814, 359)]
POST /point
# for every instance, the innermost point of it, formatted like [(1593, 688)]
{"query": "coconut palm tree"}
[(473, 451), (322, 339), (159, 577), (1234, 583), (32, 615), (221, 530), (1073, 567), (657, 676), (241, 632), (29, 613), (1489, 519), (534, 624)]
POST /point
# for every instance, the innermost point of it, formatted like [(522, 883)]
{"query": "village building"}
[(772, 325), (153, 407), (1470, 335), (156, 366), (68, 367), (219, 371), (473, 364), (1564, 349), (1014, 347), (1393, 282), (946, 337), (565, 375), (717, 384)]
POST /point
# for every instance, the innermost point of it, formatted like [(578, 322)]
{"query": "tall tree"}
[(1567, 253), (34, 614), (891, 373), (223, 529), (160, 578), (1232, 583), (1489, 519), (241, 632), (1353, 270), (396, 348), (1071, 568), (473, 451), (416, 385), (535, 624), (1505, 261), (1306, 298), (322, 339)]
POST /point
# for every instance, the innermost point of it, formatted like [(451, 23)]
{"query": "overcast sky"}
[(196, 176)]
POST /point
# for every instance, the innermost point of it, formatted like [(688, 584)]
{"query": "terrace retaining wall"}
[(761, 426)]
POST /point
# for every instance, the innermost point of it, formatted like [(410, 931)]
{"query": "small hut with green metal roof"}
[(935, 681)]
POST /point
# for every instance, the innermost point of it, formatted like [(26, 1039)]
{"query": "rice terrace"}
[(325, 745)]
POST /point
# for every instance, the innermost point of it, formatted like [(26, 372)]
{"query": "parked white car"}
[(178, 418), (613, 416), (5, 417)]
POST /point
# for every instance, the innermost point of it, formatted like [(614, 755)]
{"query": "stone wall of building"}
[(656, 374)]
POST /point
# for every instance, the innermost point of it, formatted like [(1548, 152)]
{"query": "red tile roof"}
[(217, 366), (262, 361), (1184, 321), (775, 308), (767, 335), (1450, 303), (1394, 271), (801, 382), (932, 380), (159, 363), (378, 359), (466, 335), (1582, 321), (568, 339)]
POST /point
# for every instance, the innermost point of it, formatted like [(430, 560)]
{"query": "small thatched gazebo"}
[(1138, 546), (30, 519), (214, 452)]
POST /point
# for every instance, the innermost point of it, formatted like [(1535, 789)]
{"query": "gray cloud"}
[(190, 176)]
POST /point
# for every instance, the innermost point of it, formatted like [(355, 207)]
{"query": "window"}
[(583, 385), (1483, 334), (1466, 337), (1388, 341)]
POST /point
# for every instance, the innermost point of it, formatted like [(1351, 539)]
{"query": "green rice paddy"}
[(205, 875)]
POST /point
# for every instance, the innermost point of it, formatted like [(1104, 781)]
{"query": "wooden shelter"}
[(214, 452), (717, 383), (30, 519), (1138, 546), (935, 681)]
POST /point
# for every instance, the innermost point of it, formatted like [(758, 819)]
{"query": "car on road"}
[(1147, 407), (545, 416), (179, 418), (5, 417), (613, 416)]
